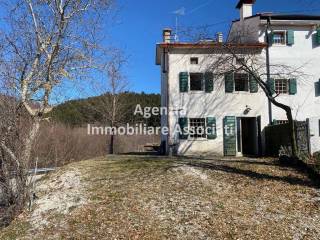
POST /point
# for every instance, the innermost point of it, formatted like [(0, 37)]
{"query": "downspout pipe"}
[(268, 67)]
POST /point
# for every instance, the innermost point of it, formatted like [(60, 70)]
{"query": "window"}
[(194, 60), (241, 82), (279, 38), (196, 81), (281, 86), (240, 61), (197, 128)]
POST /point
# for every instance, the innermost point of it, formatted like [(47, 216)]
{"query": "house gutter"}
[(168, 108)]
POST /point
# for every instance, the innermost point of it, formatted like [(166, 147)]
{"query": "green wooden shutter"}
[(292, 86), (229, 136), (183, 123), (270, 38), (229, 82), (270, 84), (318, 36), (253, 84), (184, 81), (290, 37), (317, 88), (208, 78), (212, 128)]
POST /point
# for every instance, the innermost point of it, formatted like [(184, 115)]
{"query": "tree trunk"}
[(30, 140), (111, 145), (293, 138)]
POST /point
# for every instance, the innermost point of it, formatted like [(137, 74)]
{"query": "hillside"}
[(83, 111), (131, 197)]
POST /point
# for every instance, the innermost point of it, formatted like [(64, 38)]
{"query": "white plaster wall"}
[(246, 31), (304, 55), (216, 104), (315, 134)]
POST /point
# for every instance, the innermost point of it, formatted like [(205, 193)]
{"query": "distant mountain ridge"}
[(84, 111)]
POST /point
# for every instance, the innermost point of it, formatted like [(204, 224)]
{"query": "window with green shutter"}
[(229, 82), (208, 78), (212, 128), (270, 38), (292, 86), (183, 123), (184, 81), (253, 84), (241, 82), (318, 36), (279, 38), (270, 85), (290, 37)]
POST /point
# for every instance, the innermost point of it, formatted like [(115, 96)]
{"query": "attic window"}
[(194, 60)]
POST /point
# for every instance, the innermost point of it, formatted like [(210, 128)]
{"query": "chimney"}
[(245, 7), (219, 37), (167, 35)]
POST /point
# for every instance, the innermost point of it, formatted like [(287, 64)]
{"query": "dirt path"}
[(153, 198)]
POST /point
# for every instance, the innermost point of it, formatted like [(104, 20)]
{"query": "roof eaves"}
[(211, 45)]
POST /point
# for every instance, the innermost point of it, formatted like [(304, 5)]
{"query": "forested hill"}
[(91, 110)]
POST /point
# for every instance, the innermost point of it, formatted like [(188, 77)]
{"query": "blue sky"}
[(139, 27)]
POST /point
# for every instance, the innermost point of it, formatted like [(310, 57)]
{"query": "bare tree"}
[(236, 57), (113, 106), (45, 44)]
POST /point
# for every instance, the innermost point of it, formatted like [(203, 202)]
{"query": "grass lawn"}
[(141, 197)]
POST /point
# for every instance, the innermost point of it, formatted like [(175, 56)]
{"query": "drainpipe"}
[(268, 67)]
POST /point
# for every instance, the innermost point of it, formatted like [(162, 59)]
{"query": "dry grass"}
[(58, 145), (132, 197)]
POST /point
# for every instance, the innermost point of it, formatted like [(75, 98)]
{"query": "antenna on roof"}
[(179, 12)]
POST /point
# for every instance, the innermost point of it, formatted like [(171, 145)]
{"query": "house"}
[(235, 107)]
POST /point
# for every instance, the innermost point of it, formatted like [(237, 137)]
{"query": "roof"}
[(289, 16), (211, 45), (241, 2), (279, 16)]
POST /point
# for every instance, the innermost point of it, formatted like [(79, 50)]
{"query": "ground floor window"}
[(281, 86), (197, 128)]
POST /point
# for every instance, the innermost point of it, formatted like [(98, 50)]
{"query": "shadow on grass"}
[(140, 154), (217, 166)]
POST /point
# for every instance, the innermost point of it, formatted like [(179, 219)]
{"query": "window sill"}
[(280, 45), (197, 92), (197, 139), (284, 94), (242, 92)]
